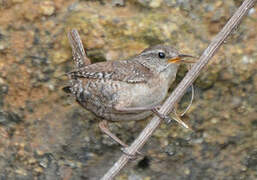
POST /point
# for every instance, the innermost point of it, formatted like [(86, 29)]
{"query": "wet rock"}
[(96, 55), (22, 174), (17, 1), (251, 160), (176, 147), (185, 5), (3, 89), (206, 81), (9, 117), (144, 163), (118, 2), (3, 117), (3, 92), (4, 43), (3, 46), (60, 57), (151, 3), (254, 123), (47, 8), (134, 177)]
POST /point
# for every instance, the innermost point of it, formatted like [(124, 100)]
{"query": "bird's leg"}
[(105, 129), (167, 119), (154, 109), (177, 117)]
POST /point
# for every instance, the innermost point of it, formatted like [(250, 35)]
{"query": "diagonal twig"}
[(182, 87)]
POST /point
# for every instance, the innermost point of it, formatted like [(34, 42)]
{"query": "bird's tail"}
[(79, 55)]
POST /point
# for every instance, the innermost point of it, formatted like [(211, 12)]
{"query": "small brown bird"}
[(123, 90)]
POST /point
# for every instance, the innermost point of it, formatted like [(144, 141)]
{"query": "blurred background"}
[(46, 135)]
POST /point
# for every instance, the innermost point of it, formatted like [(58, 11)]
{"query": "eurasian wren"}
[(123, 90)]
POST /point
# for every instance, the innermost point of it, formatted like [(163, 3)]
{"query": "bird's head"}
[(161, 57)]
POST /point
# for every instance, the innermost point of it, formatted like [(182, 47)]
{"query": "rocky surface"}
[(45, 135)]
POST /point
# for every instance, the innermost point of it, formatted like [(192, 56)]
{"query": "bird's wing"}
[(126, 71)]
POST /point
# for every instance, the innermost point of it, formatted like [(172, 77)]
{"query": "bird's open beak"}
[(180, 58)]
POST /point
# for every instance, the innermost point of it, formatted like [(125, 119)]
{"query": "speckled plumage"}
[(142, 81)]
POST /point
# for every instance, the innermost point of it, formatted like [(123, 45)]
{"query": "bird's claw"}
[(167, 119)]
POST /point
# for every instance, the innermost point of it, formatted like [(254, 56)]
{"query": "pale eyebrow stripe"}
[(153, 51)]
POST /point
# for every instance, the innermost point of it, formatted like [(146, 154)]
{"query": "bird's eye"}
[(161, 55)]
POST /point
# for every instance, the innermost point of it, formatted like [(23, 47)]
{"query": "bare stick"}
[(79, 56), (181, 88)]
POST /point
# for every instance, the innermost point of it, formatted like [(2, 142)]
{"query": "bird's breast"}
[(145, 94)]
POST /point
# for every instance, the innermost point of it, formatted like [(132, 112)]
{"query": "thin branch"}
[(181, 88)]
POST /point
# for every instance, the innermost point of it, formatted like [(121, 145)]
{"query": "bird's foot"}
[(104, 128), (167, 119)]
